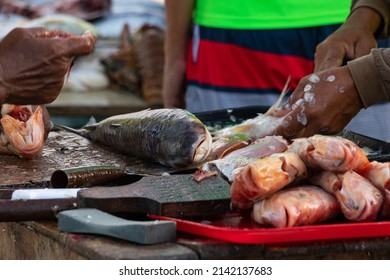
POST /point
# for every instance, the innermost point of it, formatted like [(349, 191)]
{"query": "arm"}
[(382, 7), (34, 62), (371, 76), (178, 19), (368, 20)]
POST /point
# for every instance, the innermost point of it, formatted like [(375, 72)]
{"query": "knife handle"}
[(89, 220)]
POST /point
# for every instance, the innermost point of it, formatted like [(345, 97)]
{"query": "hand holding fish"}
[(323, 102), (34, 62)]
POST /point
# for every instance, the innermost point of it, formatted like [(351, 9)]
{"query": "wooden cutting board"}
[(67, 150), (173, 196)]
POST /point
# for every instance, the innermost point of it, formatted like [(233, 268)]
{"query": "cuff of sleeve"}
[(367, 80), (382, 8)]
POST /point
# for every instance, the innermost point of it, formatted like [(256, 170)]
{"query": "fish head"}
[(203, 147), (24, 129), (331, 153), (358, 198)]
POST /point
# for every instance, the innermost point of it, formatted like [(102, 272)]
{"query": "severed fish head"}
[(331, 153), (359, 199), (23, 130)]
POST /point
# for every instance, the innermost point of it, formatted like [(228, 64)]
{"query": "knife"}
[(20, 207), (173, 195)]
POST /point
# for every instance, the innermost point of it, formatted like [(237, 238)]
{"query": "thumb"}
[(78, 45)]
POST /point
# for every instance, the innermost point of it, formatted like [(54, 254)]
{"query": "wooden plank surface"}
[(66, 150)]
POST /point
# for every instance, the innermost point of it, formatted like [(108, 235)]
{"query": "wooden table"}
[(42, 240)]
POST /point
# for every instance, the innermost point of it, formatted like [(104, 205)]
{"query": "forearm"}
[(3, 92), (178, 26), (371, 74), (379, 7)]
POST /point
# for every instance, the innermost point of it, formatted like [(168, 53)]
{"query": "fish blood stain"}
[(314, 78), (331, 78)]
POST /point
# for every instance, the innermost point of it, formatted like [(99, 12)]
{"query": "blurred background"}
[(122, 75)]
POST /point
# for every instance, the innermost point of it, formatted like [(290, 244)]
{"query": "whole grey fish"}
[(171, 137)]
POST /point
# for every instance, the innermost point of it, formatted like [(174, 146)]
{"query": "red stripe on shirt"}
[(226, 65)]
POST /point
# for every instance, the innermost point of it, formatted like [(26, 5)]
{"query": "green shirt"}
[(270, 14)]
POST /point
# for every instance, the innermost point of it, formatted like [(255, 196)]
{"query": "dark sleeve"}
[(371, 74), (383, 8)]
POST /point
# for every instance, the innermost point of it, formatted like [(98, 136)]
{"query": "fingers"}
[(294, 124), (277, 112), (71, 44), (34, 31), (78, 45), (327, 59)]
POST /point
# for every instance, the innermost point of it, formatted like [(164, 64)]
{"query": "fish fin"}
[(81, 132), (281, 96), (91, 121)]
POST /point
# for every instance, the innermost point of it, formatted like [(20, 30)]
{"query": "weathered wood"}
[(66, 150), (42, 240), (24, 241)]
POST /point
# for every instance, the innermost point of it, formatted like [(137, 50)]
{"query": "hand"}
[(353, 39), (324, 103), (34, 62)]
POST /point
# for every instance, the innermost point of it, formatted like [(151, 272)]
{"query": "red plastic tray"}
[(238, 229)]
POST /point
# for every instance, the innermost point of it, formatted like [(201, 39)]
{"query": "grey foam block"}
[(94, 221)]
